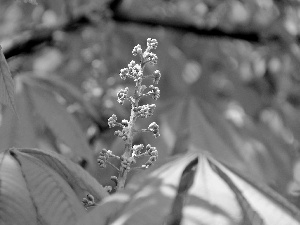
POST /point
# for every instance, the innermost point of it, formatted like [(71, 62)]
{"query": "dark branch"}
[(28, 41), (187, 28)]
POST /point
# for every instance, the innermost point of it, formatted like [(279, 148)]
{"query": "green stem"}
[(128, 145), (131, 130)]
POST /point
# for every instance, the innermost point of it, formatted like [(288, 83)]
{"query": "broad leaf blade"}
[(223, 194), (18, 132), (67, 89), (6, 84), (16, 204), (143, 201), (192, 124), (80, 180), (214, 195), (186, 181), (187, 121), (62, 124), (210, 200), (55, 201), (270, 206), (274, 156)]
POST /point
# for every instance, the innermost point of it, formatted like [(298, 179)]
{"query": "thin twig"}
[(141, 155), (27, 42), (138, 168), (113, 166)]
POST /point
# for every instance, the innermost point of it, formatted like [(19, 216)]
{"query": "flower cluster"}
[(137, 50), (135, 71), (127, 162), (154, 92), (103, 157), (124, 73), (144, 111), (122, 95), (151, 44), (154, 128), (125, 123), (137, 149), (88, 201), (152, 151), (156, 76), (122, 133), (150, 162), (112, 121), (151, 57), (149, 151)]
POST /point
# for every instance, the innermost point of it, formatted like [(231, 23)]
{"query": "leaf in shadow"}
[(193, 125), (270, 206), (6, 84), (62, 124), (194, 189), (249, 214), (187, 122), (79, 180), (54, 200), (18, 132), (210, 200), (138, 204), (17, 207), (67, 89), (187, 179)]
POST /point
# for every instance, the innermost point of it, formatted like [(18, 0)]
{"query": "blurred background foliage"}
[(230, 80)]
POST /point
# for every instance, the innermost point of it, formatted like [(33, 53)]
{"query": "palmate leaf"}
[(38, 187), (194, 189), (6, 84), (36, 103), (192, 125), (186, 120), (62, 124), (190, 121), (67, 89), (18, 132), (17, 207), (53, 197), (79, 179), (272, 208), (274, 151), (224, 200), (162, 183)]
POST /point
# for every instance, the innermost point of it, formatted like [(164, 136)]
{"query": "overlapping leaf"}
[(194, 189), (143, 208), (37, 187), (18, 132), (6, 84), (61, 123), (35, 104), (17, 207), (186, 120), (67, 89), (192, 125), (80, 180), (52, 196), (269, 206)]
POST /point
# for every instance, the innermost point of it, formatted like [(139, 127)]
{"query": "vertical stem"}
[(128, 145)]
